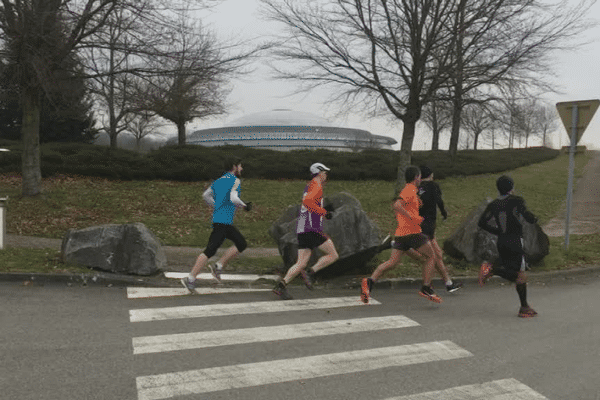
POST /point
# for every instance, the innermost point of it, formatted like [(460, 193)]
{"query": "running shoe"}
[(527, 312), (188, 284), (281, 291), (454, 287), (215, 271), (428, 293), (485, 273), (365, 289), (309, 278)]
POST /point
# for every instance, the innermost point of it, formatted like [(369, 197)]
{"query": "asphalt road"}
[(60, 342)]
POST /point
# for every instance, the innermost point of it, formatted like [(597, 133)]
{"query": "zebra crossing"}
[(197, 382)]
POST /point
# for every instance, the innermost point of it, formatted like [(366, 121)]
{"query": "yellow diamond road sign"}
[(585, 112)]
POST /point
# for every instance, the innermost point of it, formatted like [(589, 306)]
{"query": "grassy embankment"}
[(175, 212)]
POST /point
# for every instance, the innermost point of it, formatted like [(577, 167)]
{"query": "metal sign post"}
[(2, 221), (578, 114), (572, 149), (3, 217)]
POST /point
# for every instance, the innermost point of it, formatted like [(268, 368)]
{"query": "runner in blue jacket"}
[(224, 198)]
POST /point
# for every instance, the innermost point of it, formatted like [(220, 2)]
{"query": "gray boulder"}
[(475, 245), (355, 236), (125, 249)]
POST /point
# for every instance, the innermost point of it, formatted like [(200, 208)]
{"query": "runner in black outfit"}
[(502, 217), (431, 198)]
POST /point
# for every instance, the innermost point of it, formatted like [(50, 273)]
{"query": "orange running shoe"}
[(365, 290), (485, 273), (428, 293), (527, 312)]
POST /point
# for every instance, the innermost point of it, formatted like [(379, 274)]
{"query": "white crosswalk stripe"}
[(505, 389), (198, 340), (148, 292), (238, 376), (259, 307), (226, 277)]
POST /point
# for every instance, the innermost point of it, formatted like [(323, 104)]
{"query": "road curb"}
[(87, 279), (342, 282)]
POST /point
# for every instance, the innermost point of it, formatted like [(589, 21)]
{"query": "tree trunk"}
[(455, 132), (181, 132), (435, 141), (457, 103), (31, 168), (112, 131), (408, 136)]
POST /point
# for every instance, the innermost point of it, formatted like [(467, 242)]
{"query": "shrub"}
[(197, 163)]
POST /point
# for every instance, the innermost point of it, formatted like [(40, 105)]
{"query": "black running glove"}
[(248, 206)]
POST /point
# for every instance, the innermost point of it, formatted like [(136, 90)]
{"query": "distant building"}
[(288, 130)]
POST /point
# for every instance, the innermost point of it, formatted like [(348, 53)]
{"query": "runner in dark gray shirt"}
[(503, 217)]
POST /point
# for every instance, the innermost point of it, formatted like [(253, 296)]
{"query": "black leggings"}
[(219, 234)]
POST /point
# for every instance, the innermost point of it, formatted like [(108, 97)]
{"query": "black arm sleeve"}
[(440, 202), (484, 221)]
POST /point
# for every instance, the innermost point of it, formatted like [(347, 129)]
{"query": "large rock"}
[(471, 243), (355, 236), (127, 249)]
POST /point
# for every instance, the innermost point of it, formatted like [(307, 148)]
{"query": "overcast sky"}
[(578, 79)]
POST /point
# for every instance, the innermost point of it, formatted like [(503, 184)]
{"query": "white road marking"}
[(258, 307), (169, 385), (199, 340), (146, 292), (505, 389), (224, 277)]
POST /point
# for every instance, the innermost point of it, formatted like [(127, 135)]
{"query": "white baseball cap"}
[(318, 167)]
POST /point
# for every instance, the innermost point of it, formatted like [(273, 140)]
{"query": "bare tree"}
[(528, 120), (389, 55), (143, 125), (437, 116), (135, 34), (507, 42), (547, 122), (192, 77), (476, 119), (39, 39), (109, 63)]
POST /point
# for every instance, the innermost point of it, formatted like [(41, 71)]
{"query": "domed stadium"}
[(286, 130)]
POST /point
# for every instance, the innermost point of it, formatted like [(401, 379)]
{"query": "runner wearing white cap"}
[(310, 233)]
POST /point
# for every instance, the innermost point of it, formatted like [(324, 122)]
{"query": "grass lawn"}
[(176, 213)]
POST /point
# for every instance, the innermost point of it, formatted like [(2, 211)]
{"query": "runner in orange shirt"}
[(408, 236)]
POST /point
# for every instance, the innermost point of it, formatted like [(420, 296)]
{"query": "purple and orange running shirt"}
[(311, 211)]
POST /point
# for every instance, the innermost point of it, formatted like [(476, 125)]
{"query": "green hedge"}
[(194, 163)]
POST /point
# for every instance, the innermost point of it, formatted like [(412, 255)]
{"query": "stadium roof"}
[(281, 117)]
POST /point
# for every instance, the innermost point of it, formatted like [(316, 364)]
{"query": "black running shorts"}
[(510, 249), (219, 234), (414, 241), (311, 240)]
